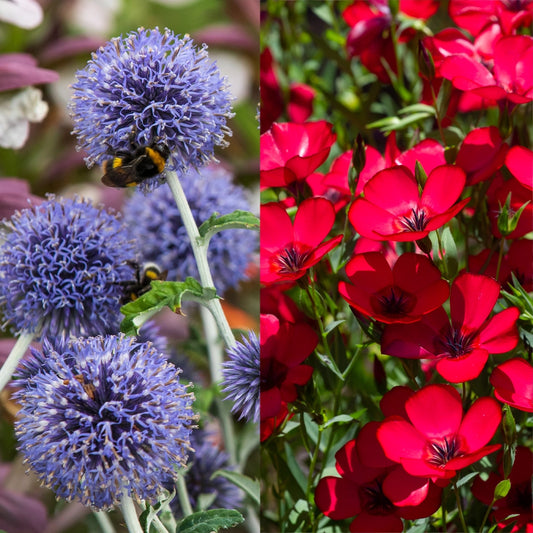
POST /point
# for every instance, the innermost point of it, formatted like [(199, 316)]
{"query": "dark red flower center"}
[(441, 451), (416, 221), (373, 500), (456, 343), (273, 373), (291, 260), (393, 301)]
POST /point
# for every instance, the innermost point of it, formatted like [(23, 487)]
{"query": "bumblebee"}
[(127, 169), (144, 275)]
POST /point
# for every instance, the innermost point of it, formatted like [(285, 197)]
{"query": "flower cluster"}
[(151, 87), (63, 264), (98, 409), (395, 267)]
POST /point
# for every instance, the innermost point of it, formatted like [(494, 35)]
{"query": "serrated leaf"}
[(247, 484), (209, 521), (238, 219), (162, 294)]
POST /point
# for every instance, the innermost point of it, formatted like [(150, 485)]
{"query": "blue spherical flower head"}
[(151, 87), (161, 237), (242, 378), (103, 415), (63, 264)]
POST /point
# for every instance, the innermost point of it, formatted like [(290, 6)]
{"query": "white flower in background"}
[(16, 112), (27, 14)]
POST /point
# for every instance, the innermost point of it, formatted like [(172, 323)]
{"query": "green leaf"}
[(502, 489), (450, 252), (236, 220), (464, 480), (210, 521), (247, 484), (162, 294), (331, 326), (417, 108), (330, 363), (151, 512)]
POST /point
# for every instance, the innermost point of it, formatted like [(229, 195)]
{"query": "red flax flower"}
[(437, 439), (462, 347), (288, 250), (290, 152), (513, 383), (373, 489), (512, 76), (401, 294), (518, 499), (393, 209), (284, 346)]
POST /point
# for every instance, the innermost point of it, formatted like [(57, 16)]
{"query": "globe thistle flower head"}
[(242, 378), (151, 87), (161, 237), (103, 415), (62, 264), (206, 459)]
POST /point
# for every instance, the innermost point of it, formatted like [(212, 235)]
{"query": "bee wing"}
[(123, 176)]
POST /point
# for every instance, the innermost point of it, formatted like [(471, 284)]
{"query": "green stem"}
[(159, 526), (442, 256), (486, 516), (500, 257), (310, 478), (16, 354), (183, 496), (130, 514), (459, 506), (200, 254), (102, 517)]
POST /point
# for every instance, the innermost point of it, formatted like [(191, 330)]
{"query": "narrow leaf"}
[(210, 521), (248, 485)]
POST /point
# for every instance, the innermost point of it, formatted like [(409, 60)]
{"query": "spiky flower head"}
[(207, 459), (151, 87), (242, 377), (62, 266), (161, 237), (103, 415)]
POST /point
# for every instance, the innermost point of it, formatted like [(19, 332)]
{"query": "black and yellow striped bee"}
[(144, 275), (129, 168)]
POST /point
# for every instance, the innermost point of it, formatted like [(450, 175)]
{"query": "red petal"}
[(519, 161), (369, 449), (368, 219), (276, 227), (513, 383), (465, 368), (443, 187), (399, 439), (270, 402), (500, 334), (465, 72), (313, 221), (393, 402), (370, 271), (337, 498), (462, 462), (403, 489), (444, 417), (479, 424), (429, 153), (320, 251), (393, 189), (472, 299)]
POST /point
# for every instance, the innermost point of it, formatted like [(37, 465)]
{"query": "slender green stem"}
[(183, 496), (486, 516), (16, 354), (159, 526), (200, 254), (459, 506), (442, 255), (102, 517), (130, 514), (310, 479), (500, 257)]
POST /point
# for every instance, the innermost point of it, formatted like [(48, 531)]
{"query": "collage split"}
[(266, 266)]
